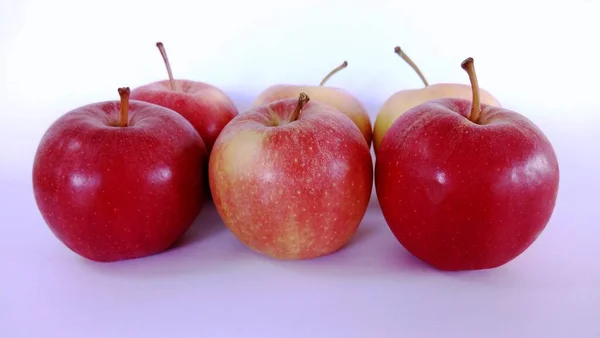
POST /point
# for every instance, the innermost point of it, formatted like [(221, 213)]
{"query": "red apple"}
[(119, 180), (465, 185), (205, 106), (291, 179)]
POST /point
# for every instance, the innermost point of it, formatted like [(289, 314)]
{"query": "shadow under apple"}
[(206, 246), (373, 251), (207, 224)]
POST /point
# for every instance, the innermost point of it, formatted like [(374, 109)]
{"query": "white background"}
[(539, 58)]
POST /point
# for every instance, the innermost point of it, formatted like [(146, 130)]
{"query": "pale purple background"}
[(57, 56), (211, 286)]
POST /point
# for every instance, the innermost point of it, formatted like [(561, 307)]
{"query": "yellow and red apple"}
[(292, 179), (338, 98), (404, 100)]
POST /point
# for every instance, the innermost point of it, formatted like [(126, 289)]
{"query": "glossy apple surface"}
[(338, 98), (466, 192), (111, 192), (292, 183)]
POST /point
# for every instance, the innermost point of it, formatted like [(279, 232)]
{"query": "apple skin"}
[(338, 98), (465, 196), (404, 100), (112, 193), (291, 190), (205, 106)]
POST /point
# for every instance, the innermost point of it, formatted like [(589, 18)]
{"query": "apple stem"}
[(163, 52), (124, 94), (302, 100), (331, 73), (406, 59), (469, 66)]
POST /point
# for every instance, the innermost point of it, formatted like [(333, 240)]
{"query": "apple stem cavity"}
[(469, 66), (124, 94), (331, 73), (163, 52), (302, 100), (406, 59)]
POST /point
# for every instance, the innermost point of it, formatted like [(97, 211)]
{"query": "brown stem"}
[(406, 59), (163, 52), (331, 73), (124, 94), (469, 66), (302, 100)]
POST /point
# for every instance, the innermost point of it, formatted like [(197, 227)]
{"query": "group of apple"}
[(462, 183)]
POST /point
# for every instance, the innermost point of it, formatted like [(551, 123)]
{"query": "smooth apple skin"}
[(205, 106), (466, 196), (338, 98), (298, 190), (404, 100), (114, 193)]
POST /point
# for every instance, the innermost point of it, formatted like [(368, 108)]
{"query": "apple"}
[(292, 178), (339, 98), (465, 185), (205, 106), (403, 100), (119, 180)]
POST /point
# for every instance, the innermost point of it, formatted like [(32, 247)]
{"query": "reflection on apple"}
[(465, 185), (120, 180)]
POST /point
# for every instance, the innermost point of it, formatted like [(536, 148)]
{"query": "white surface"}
[(538, 58)]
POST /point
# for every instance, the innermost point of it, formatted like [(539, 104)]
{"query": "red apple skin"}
[(465, 196), (113, 193), (297, 190), (205, 106)]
